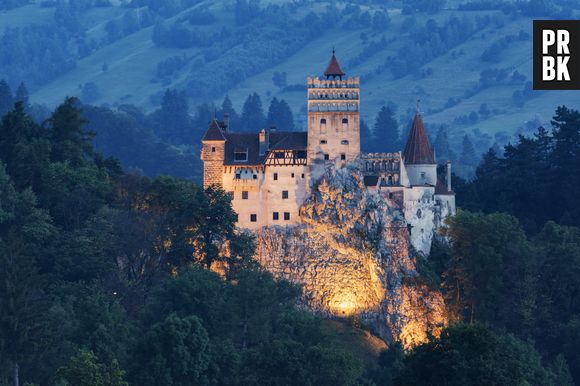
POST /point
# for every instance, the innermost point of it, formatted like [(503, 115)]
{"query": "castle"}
[(269, 173)]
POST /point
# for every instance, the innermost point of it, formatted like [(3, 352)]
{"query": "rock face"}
[(351, 256)]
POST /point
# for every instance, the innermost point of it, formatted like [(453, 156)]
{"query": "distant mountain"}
[(469, 62)]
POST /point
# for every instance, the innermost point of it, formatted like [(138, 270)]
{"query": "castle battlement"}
[(269, 174)]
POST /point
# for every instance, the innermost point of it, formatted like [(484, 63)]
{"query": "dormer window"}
[(240, 155)]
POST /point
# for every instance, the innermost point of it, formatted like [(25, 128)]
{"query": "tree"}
[(386, 130), (70, 142), (442, 148), (366, 137), (84, 369), (24, 230), (22, 96), (468, 155), (280, 115), (6, 101), (174, 123), (473, 355), (174, 352), (228, 108), (253, 113)]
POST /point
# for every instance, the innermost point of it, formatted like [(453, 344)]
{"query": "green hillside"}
[(215, 48)]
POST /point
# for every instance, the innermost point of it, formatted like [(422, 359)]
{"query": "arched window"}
[(344, 124), (323, 125)]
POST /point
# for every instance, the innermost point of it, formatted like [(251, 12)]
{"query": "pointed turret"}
[(418, 150), (333, 68), (214, 132)]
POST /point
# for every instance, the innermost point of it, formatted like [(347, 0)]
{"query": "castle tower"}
[(418, 155), (333, 116), (212, 154)]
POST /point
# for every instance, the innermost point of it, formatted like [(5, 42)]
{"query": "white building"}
[(269, 173)]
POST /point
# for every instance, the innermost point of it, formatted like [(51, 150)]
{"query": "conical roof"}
[(214, 132), (333, 68), (418, 150)]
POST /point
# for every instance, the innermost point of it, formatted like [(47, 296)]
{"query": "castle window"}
[(275, 176), (323, 125), (253, 217), (344, 124), (275, 216), (284, 194), (423, 175), (213, 149), (244, 195), (240, 156), (343, 157), (344, 142), (301, 154), (286, 216), (390, 195), (323, 141), (419, 213), (292, 175), (326, 157), (302, 175), (390, 179), (255, 176)]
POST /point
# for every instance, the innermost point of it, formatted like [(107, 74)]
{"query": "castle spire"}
[(418, 149), (333, 69), (214, 132)]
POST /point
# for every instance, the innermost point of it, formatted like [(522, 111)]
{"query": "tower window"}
[(292, 175), (284, 194), (326, 157), (244, 195), (323, 125), (344, 142), (343, 156), (275, 216), (390, 195), (213, 149), (275, 176), (286, 216), (423, 175), (323, 141), (253, 217), (344, 124)]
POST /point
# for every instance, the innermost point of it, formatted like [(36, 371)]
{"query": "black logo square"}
[(556, 54)]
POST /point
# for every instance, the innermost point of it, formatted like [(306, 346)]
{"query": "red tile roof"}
[(418, 150), (441, 188), (333, 68)]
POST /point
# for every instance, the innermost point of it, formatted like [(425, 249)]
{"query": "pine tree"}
[(366, 137), (253, 113), (175, 124), (442, 149), (6, 99), (468, 155), (280, 115), (386, 130), (22, 95), (228, 107)]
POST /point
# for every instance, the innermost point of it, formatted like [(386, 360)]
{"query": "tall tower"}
[(212, 154), (418, 155), (333, 116)]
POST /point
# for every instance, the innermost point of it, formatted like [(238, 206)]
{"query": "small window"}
[(255, 176), (419, 213), (302, 175), (284, 194), (390, 195), (344, 121), (423, 175), (240, 156), (244, 195), (275, 216), (286, 216), (390, 179), (275, 176), (238, 176), (344, 142), (323, 125), (279, 155), (326, 157), (323, 142), (323, 121), (292, 175), (253, 217), (213, 149), (343, 157)]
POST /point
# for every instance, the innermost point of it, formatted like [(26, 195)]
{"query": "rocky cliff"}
[(352, 258)]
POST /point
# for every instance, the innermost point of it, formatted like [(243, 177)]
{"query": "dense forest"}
[(104, 276)]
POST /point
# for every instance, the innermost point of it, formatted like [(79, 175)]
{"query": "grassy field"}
[(132, 63)]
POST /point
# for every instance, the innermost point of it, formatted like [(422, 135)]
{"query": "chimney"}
[(448, 176), (227, 122), (264, 141)]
